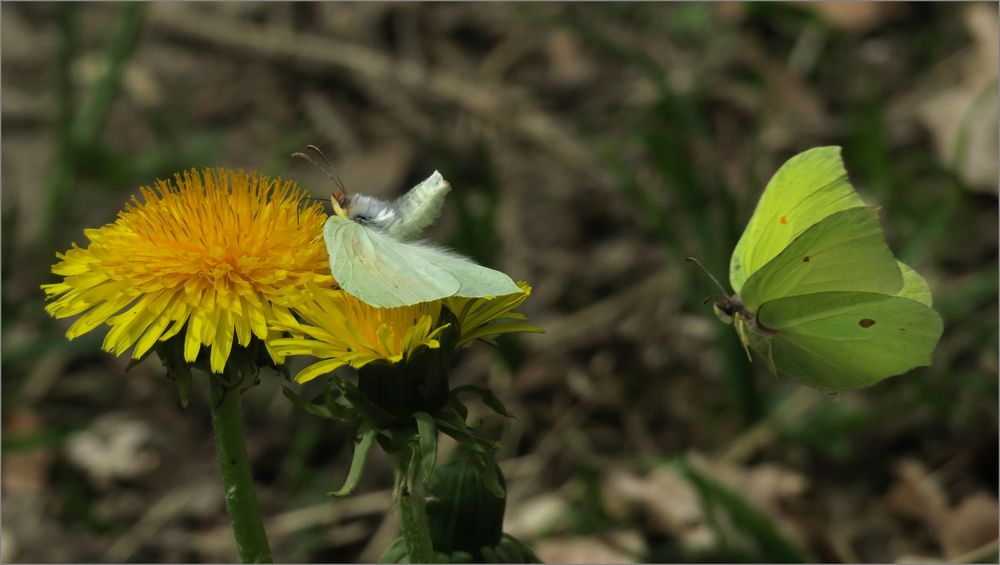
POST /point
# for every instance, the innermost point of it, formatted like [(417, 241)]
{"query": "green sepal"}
[(460, 557), (489, 332), (183, 378), (367, 436), (486, 396), (385, 442), (132, 363), (369, 411), (410, 472), (325, 406), (427, 440), (451, 423), (171, 354), (489, 556)]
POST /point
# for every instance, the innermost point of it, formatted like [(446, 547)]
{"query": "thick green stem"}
[(413, 506), (241, 498)]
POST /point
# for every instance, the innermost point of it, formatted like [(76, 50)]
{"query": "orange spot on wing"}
[(784, 220)]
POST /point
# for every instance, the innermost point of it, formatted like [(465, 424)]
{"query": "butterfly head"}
[(366, 210), (726, 307)]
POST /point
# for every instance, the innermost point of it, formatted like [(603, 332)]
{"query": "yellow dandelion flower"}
[(218, 252), (342, 330)]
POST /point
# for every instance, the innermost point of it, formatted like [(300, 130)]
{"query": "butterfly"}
[(817, 291), (376, 254)]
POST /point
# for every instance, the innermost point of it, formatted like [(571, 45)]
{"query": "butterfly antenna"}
[(707, 272), (342, 192), (332, 172)]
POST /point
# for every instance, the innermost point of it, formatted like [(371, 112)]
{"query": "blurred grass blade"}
[(771, 545), (79, 129)]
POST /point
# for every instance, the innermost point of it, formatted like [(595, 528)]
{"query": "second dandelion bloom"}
[(215, 254), (341, 330)]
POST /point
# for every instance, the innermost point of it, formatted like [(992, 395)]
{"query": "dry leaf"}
[(856, 17), (962, 113), (970, 525), (115, 446), (621, 547)]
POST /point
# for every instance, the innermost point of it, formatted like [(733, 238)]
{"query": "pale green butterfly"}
[(817, 291), (375, 254)]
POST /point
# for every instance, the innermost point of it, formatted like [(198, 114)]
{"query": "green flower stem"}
[(413, 505), (241, 498)]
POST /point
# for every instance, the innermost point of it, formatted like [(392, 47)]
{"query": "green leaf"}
[(427, 437), (367, 433), (486, 396)]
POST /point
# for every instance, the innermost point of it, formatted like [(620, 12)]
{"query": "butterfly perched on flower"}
[(376, 253)]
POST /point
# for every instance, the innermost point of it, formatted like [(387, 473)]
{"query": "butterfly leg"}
[(741, 332), (770, 358)]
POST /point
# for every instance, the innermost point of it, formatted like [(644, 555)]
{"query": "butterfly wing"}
[(381, 271), (807, 188), (846, 251), (845, 340), (914, 285), (476, 281), (419, 207)]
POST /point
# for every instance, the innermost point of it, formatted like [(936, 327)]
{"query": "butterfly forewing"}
[(806, 189), (844, 252)]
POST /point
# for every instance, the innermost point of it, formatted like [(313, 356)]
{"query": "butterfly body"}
[(375, 254), (818, 292), (404, 218)]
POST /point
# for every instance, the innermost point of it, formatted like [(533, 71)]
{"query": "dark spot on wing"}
[(805, 259), (784, 220), (866, 322)]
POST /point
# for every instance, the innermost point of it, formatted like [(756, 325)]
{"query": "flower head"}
[(217, 252), (342, 330)]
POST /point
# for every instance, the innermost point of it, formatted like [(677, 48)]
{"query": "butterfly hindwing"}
[(844, 340), (475, 280), (845, 251), (806, 189), (380, 270)]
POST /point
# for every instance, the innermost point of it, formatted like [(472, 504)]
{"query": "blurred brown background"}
[(591, 148)]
